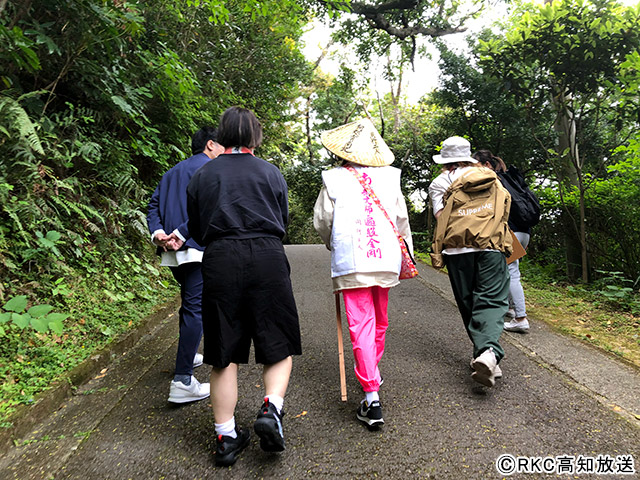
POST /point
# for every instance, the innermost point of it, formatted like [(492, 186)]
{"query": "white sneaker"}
[(198, 360), (181, 393), (484, 368), (514, 325), (497, 372)]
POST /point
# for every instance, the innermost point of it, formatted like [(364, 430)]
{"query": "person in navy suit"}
[(167, 221)]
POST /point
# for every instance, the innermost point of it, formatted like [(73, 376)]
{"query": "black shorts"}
[(247, 296)]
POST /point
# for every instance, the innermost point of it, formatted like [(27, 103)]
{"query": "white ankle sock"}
[(228, 428), (371, 397), (277, 401)]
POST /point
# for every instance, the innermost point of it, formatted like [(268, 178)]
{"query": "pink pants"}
[(367, 315)]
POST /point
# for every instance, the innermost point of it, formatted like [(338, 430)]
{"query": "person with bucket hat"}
[(359, 213), (474, 250)]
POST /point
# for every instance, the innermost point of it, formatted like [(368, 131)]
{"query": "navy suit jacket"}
[(168, 204)]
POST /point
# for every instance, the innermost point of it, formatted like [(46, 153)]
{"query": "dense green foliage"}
[(97, 100), (568, 57), (521, 94)]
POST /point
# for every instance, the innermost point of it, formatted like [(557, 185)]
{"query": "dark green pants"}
[(480, 283)]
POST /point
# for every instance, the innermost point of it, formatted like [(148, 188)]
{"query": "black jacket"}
[(237, 196)]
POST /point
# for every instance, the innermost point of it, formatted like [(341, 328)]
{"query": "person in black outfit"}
[(517, 312), (238, 210)]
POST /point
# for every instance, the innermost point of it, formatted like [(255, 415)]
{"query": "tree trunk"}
[(583, 233), (571, 172), (395, 97), (308, 129)]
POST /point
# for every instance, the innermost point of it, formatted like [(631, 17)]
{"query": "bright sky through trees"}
[(415, 83)]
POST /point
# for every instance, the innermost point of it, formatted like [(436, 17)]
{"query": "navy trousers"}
[(189, 276)]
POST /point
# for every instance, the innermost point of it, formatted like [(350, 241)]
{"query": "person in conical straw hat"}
[(365, 252)]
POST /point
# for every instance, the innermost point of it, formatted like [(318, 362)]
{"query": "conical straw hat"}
[(358, 142)]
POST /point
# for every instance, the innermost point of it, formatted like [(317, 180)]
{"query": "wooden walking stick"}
[(343, 376)]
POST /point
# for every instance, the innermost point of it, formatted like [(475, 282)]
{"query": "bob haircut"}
[(239, 127)]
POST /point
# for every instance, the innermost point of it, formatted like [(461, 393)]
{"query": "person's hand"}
[(173, 242), (161, 240)]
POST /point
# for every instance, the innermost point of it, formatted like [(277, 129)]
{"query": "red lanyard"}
[(238, 150)]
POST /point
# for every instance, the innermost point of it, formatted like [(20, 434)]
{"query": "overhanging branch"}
[(379, 22), (363, 8), (377, 16)]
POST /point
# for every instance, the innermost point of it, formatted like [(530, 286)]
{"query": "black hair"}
[(485, 156), (201, 137), (239, 127)]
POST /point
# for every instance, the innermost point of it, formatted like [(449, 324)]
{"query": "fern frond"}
[(18, 119), (24, 169), (89, 152), (124, 183), (80, 210), (139, 222), (91, 212), (20, 230), (140, 227), (60, 203), (92, 227)]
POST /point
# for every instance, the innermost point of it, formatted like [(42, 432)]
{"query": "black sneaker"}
[(268, 426), (370, 415), (228, 448)]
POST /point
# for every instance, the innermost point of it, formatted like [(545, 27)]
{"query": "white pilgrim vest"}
[(362, 239)]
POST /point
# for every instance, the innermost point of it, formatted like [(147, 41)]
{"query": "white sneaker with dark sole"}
[(181, 393), (497, 372)]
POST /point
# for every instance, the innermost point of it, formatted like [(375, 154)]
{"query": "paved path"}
[(439, 423)]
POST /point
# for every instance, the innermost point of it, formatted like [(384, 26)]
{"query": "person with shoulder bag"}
[(361, 216), (472, 240), (524, 214)]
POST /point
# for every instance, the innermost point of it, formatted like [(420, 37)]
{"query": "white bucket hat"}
[(455, 149), (358, 142)]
